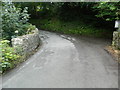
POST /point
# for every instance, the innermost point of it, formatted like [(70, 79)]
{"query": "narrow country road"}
[(66, 62)]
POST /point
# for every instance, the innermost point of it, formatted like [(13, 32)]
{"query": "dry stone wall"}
[(116, 40), (27, 43)]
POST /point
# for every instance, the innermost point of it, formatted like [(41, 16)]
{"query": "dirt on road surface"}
[(66, 62)]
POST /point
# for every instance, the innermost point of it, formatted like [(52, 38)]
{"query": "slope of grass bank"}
[(76, 27)]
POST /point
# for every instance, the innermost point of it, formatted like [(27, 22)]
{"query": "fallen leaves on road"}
[(115, 53)]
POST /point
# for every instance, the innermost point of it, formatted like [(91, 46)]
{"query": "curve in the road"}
[(66, 62)]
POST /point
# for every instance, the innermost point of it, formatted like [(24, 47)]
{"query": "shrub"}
[(75, 27), (9, 56), (13, 19)]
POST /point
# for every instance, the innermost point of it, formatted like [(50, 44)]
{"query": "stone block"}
[(116, 40)]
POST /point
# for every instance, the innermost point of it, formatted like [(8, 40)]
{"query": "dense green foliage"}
[(14, 21), (62, 17), (74, 28), (9, 56), (65, 12), (108, 10)]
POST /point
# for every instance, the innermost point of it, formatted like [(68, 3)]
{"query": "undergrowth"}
[(75, 27)]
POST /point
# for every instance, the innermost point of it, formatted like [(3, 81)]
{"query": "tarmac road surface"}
[(66, 62)]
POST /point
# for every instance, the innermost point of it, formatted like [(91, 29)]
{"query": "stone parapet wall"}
[(27, 43), (116, 40)]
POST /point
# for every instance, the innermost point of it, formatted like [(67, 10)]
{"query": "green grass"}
[(72, 27)]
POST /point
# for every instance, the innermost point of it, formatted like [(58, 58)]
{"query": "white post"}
[(117, 25)]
